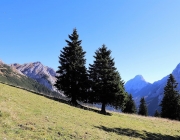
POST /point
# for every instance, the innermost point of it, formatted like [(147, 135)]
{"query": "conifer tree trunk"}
[(103, 108), (73, 98), (73, 101)]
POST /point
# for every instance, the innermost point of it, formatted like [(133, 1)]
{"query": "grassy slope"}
[(28, 116)]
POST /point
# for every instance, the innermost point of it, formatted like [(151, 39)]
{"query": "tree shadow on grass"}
[(92, 109), (137, 134)]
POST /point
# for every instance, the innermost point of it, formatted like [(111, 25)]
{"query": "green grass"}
[(24, 115)]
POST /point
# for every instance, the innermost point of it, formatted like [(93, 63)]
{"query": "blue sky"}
[(143, 35)]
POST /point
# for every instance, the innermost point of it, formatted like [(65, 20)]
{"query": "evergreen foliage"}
[(171, 101), (143, 107), (156, 114), (130, 106), (106, 84), (72, 78)]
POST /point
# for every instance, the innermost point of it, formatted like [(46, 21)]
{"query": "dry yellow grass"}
[(25, 116)]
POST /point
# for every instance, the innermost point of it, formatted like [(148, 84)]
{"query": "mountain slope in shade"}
[(37, 71), (136, 84), (153, 93)]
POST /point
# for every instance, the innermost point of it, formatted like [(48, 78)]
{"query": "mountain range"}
[(153, 93), (37, 71), (12, 76), (31, 73)]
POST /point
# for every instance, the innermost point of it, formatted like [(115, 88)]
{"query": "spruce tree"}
[(143, 107), (72, 73), (120, 96), (156, 114), (170, 103), (130, 106), (106, 84), (178, 108)]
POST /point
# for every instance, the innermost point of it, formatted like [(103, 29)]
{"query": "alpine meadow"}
[(28, 114), (24, 115), (89, 70)]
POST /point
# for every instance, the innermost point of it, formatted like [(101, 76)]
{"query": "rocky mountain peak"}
[(176, 71), (139, 77), (176, 74), (136, 84), (1, 62), (37, 71), (37, 64)]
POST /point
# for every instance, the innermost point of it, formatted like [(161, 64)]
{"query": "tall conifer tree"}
[(171, 101), (72, 73), (106, 84), (130, 106), (156, 114), (143, 107)]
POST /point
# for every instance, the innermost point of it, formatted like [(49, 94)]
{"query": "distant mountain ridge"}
[(12, 76), (136, 84), (153, 93), (37, 71)]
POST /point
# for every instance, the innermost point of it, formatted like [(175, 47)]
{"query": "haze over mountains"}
[(153, 93)]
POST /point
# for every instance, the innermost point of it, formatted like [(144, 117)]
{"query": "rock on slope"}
[(37, 71)]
